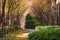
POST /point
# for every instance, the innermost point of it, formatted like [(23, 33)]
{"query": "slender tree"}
[(3, 16)]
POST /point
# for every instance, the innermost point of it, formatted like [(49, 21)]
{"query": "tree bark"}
[(3, 16)]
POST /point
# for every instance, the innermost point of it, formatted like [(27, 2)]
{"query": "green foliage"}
[(38, 28), (46, 33), (37, 23), (30, 22), (5, 29), (10, 36), (1, 31), (15, 24)]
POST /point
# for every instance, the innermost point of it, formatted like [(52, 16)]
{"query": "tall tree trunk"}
[(50, 21), (53, 12), (3, 16)]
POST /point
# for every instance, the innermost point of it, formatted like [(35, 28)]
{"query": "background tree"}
[(42, 9), (3, 16), (0, 12)]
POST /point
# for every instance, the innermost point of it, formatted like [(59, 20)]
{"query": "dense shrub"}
[(6, 30), (15, 24), (30, 24), (38, 28), (1, 32), (46, 33)]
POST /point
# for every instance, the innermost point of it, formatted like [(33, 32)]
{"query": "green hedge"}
[(45, 33), (11, 36), (39, 28), (1, 31), (6, 29)]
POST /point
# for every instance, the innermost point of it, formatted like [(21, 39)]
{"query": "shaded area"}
[(30, 24)]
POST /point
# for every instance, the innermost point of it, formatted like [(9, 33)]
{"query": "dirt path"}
[(23, 35)]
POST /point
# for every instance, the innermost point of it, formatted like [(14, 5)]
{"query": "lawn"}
[(10, 36)]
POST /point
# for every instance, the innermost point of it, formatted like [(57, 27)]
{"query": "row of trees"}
[(9, 15), (43, 9), (11, 12)]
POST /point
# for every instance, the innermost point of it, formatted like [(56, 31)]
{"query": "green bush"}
[(30, 22), (15, 24), (11, 36), (5, 30), (45, 33), (1, 32), (39, 28)]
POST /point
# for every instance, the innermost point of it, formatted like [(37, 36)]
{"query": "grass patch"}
[(10, 36)]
